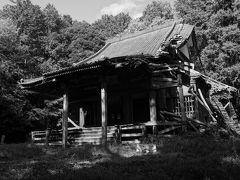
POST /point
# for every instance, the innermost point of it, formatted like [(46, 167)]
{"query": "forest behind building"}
[(35, 40)]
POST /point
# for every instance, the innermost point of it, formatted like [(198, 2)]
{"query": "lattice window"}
[(188, 104)]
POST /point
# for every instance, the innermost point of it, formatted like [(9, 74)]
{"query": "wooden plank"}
[(65, 120), (131, 127), (203, 100), (226, 105), (73, 123), (197, 121), (159, 72), (169, 129), (132, 135), (104, 111)]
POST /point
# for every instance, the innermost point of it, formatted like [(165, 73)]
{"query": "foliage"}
[(217, 27), (110, 25), (34, 41), (157, 9), (156, 13)]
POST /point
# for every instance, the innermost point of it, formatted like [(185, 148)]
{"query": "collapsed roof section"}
[(216, 86)]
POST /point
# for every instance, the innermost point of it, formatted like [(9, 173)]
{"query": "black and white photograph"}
[(119, 89)]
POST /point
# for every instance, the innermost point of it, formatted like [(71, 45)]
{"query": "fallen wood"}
[(197, 121), (203, 100), (168, 129), (170, 114), (192, 126), (202, 103), (226, 105), (73, 123)]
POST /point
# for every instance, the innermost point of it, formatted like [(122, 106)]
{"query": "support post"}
[(81, 117), (196, 107), (153, 110), (65, 120), (181, 98), (104, 112)]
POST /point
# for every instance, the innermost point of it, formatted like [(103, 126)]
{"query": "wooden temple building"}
[(129, 84)]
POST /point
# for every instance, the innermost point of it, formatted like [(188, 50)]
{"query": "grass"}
[(185, 157)]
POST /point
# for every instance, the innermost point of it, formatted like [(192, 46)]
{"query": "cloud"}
[(133, 7), (137, 15), (116, 8)]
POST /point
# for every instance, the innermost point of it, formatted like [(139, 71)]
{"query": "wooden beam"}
[(153, 109), (73, 123), (65, 119), (104, 111), (181, 98)]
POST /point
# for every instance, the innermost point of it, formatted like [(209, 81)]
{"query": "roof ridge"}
[(139, 33)]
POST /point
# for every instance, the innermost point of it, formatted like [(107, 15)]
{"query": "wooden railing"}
[(129, 132), (91, 135)]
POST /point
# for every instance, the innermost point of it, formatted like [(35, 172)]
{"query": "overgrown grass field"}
[(186, 157)]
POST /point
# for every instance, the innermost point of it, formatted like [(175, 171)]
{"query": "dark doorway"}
[(141, 109)]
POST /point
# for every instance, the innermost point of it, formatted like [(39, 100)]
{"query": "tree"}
[(53, 19), (217, 28), (155, 14), (157, 9), (86, 40), (110, 25)]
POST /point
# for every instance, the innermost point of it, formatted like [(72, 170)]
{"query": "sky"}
[(91, 10)]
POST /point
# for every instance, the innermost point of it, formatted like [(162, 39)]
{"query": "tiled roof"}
[(145, 43), (141, 43)]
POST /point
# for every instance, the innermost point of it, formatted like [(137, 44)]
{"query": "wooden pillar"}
[(65, 120), (81, 117), (104, 112), (196, 107), (153, 110), (181, 98)]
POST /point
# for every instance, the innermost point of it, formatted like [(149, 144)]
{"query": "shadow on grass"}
[(177, 158)]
